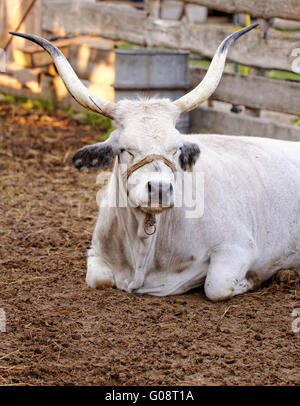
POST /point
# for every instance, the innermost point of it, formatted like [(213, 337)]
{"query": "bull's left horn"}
[(80, 93), (213, 76)]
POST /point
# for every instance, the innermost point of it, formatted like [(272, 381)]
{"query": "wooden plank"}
[(9, 81), (95, 42), (289, 9), (93, 59), (210, 121), (64, 99), (273, 53), (88, 49), (254, 91), (114, 21), (11, 85), (23, 75), (24, 78), (131, 3), (35, 56), (286, 24), (61, 17)]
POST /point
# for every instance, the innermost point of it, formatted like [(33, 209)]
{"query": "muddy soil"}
[(60, 332)]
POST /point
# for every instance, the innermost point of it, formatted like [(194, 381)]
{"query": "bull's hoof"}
[(96, 279), (99, 284)]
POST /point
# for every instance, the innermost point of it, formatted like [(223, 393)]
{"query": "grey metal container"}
[(152, 72)]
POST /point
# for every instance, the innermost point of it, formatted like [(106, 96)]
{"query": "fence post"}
[(250, 111)]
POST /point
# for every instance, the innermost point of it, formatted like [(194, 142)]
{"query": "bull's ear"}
[(98, 155), (189, 154)]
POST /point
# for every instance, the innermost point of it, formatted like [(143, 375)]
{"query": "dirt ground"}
[(60, 332)]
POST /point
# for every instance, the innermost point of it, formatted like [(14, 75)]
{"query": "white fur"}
[(251, 222)]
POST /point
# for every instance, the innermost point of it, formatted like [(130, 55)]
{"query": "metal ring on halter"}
[(150, 221), (145, 229)]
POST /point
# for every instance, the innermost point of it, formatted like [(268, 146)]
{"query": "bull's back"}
[(255, 183), (261, 156)]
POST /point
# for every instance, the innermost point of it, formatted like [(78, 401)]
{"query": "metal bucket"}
[(152, 72)]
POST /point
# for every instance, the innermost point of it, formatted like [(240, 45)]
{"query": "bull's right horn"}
[(213, 76), (80, 93)]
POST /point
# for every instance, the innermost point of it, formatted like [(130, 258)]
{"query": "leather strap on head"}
[(147, 160)]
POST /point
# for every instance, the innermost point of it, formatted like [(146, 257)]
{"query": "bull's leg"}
[(98, 274), (229, 274)]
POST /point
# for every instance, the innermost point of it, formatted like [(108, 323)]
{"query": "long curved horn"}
[(213, 76), (80, 93)]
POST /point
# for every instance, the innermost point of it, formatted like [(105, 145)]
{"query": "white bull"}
[(250, 187), (250, 227)]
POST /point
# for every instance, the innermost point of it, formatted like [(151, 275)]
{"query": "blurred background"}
[(259, 90)]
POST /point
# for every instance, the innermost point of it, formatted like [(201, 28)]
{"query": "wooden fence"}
[(289, 9), (103, 18), (261, 49)]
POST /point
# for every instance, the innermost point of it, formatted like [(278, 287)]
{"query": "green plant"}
[(39, 104), (287, 29), (297, 120), (196, 62), (281, 74), (84, 116), (109, 127), (126, 45), (31, 104), (93, 119)]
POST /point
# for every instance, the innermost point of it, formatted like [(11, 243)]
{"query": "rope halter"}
[(150, 220)]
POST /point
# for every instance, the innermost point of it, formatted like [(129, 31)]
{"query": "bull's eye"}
[(125, 150)]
